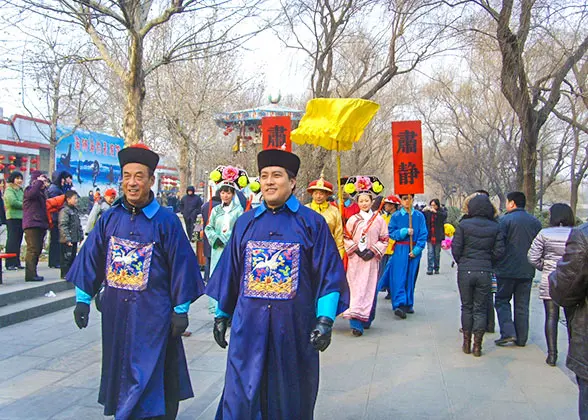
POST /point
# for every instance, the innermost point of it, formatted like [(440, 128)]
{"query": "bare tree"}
[(120, 32), (54, 82), (519, 26)]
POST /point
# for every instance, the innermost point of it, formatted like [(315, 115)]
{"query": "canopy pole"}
[(339, 186)]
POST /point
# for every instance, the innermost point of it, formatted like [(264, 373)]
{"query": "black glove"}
[(219, 331), (179, 323), (368, 255), (320, 337), (360, 253), (81, 314)]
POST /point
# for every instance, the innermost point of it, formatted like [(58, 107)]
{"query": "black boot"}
[(477, 349), (467, 342), (551, 320)]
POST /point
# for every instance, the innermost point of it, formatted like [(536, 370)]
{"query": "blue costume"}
[(149, 270), (280, 271), (401, 270)]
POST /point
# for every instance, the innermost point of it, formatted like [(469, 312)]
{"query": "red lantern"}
[(33, 161), (23, 168), (1, 167), (12, 167), (2, 157), (12, 158), (24, 159)]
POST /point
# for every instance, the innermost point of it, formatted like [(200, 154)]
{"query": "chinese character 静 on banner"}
[(276, 133), (407, 156)]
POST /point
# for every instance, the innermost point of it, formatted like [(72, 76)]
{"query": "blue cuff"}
[(403, 233), (327, 305), (183, 308), (220, 314), (416, 251), (82, 296)]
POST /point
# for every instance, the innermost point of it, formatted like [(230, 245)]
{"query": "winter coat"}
[(34, 206), (190, 206), (2, 211), (519, 229), (70, 226), (97, 210), (55, 190), (438, 230), (54, 205), (13, 197), (546, 250), (568, 286), (478, 243)]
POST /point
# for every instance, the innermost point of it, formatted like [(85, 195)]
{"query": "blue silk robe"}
[(149, 268), (401, 270), (271, 276)]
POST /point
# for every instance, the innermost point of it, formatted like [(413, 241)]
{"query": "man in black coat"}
[(568, 286), (514, 273), (435, 215), (190, 207)]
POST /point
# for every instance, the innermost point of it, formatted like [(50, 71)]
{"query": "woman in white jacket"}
[(546, 250)]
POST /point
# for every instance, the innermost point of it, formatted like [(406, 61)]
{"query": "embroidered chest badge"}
[(271, 270), (128, 264)]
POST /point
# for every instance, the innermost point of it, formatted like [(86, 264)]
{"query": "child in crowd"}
[(70, 231)]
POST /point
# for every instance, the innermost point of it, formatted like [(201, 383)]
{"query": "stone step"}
[(35, 307), (18, 292)]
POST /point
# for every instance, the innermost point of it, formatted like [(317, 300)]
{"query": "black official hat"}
[(281, 158), (138, 153)]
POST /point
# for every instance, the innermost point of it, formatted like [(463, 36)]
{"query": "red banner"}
[(276, 133), (407, 158)]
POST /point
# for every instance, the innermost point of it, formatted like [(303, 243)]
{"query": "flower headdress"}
[(363, 184), (230, 176)]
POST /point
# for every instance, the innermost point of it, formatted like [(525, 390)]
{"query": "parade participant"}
[(350, 207), (405, 263), (223, 217), (320, 191), (435, 216), (100, 207), (366, 240), (282, 281), (151, 275), (391, 204)]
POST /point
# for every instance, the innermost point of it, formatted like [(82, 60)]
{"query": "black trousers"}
[(13, 241), (68, 253), (34, 237), (190, 227), (54, 247), (474, 288)]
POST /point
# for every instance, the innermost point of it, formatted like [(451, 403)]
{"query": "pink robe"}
[(362, 276)]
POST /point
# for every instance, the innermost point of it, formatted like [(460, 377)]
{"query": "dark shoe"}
[(429, 273), (20, 267), (11, 268), (388, 296), (436, 271), (408, 310), (551, 359), (477, 349), (356, 333), (466, 347), (502, 341), (38, 278), (520, 344), (400, 313)]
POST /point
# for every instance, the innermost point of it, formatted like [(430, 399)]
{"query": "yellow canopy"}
[(334, 124)]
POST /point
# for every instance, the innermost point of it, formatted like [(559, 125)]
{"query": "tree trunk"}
[(527, 164), (574, 195), (135, 93)]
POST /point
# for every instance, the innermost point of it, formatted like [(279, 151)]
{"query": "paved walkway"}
[(412, 369)]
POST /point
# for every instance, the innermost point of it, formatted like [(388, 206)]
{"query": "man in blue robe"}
[(140, 253), (404, 265), (282, 281)]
